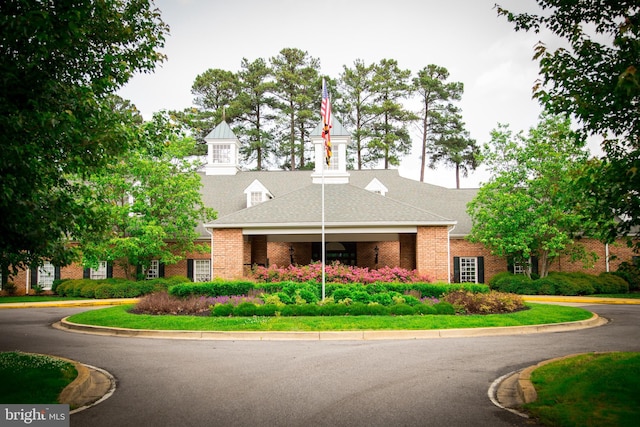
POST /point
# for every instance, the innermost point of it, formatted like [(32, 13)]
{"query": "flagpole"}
[(325, 112), (324, 257)]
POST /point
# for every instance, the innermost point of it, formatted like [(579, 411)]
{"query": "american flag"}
[(325, 112)]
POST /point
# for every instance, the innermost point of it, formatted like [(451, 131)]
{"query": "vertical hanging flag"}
[(325, 112)]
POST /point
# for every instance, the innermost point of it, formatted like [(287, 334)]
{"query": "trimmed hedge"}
[(291, 289), (114, 288), (560, 284), (330, 309)]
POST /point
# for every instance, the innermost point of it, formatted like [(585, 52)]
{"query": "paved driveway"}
[(435, 382)]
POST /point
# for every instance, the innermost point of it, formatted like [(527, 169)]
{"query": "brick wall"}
[(432, 252), (228, 253), (408, 251), (494, 264)]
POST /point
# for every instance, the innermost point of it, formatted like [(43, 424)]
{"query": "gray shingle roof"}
[(344, 205), (296, 200)]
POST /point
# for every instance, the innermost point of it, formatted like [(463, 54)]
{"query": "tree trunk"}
[(458, 176), (425, 128), (545, 263), (293, 139)]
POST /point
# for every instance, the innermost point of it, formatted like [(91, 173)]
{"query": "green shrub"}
[(383, 298), (307, 295), (342, 294), (222, 310), (56, 283), (401, 310), (545, 286), (610, 283), (361, 296), (573, 283), (104, 291), (88, 290), (444, 307), (411, 300), (514, 283), (425, 309), (358, 309), (333, 309), (377, 309), (631, 273), (245, 309), (267, 309)]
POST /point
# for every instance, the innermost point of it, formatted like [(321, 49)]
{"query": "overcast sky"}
[(467, 37)]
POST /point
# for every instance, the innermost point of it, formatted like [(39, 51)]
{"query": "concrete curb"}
[(91, 386), (594, 321), (71, 303)]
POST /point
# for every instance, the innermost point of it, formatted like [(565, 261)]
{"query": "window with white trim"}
[(221, 153), (519, 268), (100, 272), (46, 275), (468, 269), (201, 270), (334, 162), (153, 272), (256, 197)]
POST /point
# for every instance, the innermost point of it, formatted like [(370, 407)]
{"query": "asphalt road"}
[(434, 382)]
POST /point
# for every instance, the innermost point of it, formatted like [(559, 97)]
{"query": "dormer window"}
[(221, 153), (256, 198), (257, 193), (375, 186)]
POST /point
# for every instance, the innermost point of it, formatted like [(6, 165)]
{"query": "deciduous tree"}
[(151, 199), (596, 79), (533, 208), (59, 62)]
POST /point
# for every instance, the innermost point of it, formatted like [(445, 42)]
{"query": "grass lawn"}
[(33, 378), (588, 390), (120, 317)]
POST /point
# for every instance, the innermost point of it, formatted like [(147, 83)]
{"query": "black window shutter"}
[(510, 265), (138, 271), (534, 264), (34, 276), (56, 273), (109, 270), (480, 269), (86, 273), (190, 269), (160, 269), (456, 269)]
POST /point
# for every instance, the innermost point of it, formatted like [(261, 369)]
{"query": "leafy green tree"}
[(59, 63), (254, 107), (595, 78), (295, 73), (390, 138), (532, 208), (356, 86), (151, 198)]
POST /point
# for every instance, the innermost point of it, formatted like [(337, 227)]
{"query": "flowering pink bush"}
[(337, 273)]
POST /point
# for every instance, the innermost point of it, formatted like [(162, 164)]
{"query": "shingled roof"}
[(296, 201)]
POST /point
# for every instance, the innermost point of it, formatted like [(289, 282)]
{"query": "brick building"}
[(372, 218)]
